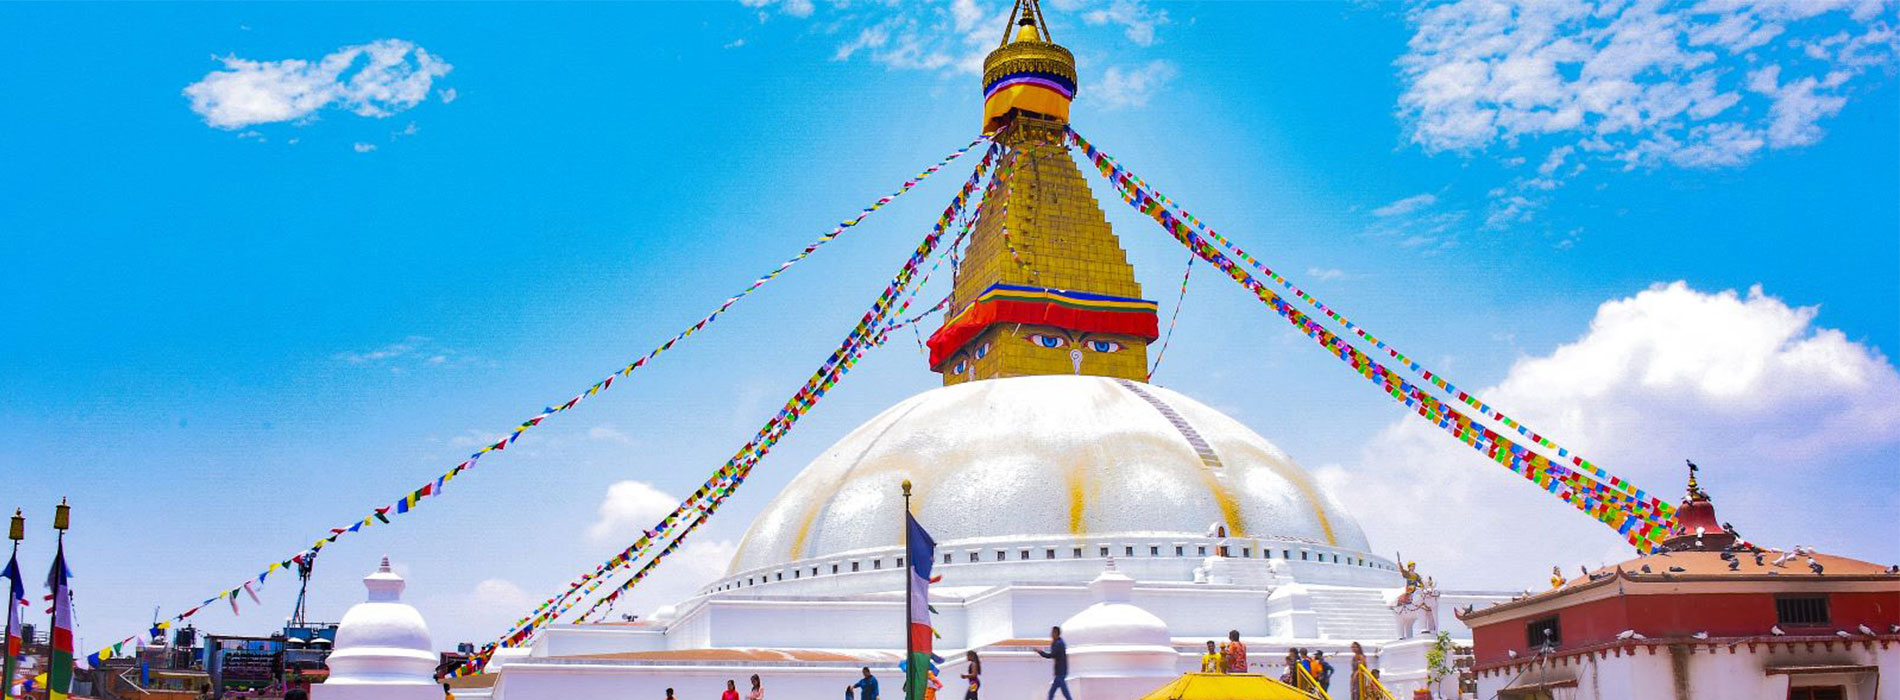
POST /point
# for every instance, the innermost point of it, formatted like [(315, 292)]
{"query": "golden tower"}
[(1045, 287)]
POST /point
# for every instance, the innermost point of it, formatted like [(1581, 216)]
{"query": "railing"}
[(1305, 681), (1367, 686)]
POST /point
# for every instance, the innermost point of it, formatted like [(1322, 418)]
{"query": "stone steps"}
[(1353, 614)]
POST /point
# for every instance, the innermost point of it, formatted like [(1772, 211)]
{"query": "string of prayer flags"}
[(1436, 379), (1642, 521), (1173, 318), (725, 480), (413, 499)]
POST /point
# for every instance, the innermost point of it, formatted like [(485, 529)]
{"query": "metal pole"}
[(910, 645)]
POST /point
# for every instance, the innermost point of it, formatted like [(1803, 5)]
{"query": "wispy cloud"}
[(361, 147), (1325, 274), (608, 434), (953, 36), (410, 352), (1406, 205), (377, 79), (1632, 85)]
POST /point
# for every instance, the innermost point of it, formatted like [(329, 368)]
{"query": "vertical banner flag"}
[(920, 551), (59, 668), (16, 608)]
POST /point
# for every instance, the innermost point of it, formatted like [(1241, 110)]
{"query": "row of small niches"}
[(1023, 554)]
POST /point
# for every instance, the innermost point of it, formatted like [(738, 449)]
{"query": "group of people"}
[(758, 689), (1306, 672), (1230, 657)]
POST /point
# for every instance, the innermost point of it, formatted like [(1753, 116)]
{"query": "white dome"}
[(382, 648), (1044, 456), (1114, 619)]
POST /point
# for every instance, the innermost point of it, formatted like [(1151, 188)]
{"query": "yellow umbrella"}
[(1226, 686)]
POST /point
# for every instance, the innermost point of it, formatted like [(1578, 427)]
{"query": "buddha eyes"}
[(982, 351), (960, 367), (1104, 345), (1048, 341)]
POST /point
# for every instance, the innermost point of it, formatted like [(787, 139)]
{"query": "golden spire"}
[(1045, 287), (1028, 72)]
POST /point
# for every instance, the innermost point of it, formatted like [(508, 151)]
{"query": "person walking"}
[(866, 686), (669, 694), (1292, 674), (1235, 653), (1058, 652), (972, 673), (1211, 662), (732, 691), (1325, 674), (758, 691)]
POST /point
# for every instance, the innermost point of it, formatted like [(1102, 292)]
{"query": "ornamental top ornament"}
[(1028, 72)]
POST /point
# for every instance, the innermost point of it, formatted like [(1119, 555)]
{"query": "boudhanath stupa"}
[(1058, 483)]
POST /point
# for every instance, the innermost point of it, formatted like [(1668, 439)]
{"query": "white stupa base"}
[(1402, 665)]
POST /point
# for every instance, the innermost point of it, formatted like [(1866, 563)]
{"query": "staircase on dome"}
[(1045, 286)]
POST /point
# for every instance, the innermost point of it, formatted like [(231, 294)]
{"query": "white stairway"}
[(1353, 614)]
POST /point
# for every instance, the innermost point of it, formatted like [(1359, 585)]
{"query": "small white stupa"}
[(382, 648), (1117, 649)]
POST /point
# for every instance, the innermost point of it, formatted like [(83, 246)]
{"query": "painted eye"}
[(1104, 345), (960, 367), (983, 351), (1048, 341)]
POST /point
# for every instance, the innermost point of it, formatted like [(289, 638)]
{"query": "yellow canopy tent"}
[(1226, 686)]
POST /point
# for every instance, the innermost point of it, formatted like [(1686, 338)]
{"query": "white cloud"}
[(377, 79), (1132, 86), (628, 508), (447, 95), (1640, 83), (735, 43), (496, 593), (1407, 205), (1134, 16), (1744, 384), (795, 8), (361, 147), (608, 434), (385, 353), (1325, 274), (689, 569), (952, 36)]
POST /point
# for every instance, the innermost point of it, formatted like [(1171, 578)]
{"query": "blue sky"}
[(245, 312)]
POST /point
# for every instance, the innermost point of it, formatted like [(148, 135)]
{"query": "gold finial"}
[(1028, 72), (907, 488), (1026, 14), (18, 531), (62, 516)]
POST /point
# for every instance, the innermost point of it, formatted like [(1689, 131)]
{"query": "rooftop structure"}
[(1700, 621)]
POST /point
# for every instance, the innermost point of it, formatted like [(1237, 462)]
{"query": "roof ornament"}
[(1026, 13)]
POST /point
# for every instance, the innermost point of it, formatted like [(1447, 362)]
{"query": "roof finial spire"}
[(1028, 14), (1695, 491)]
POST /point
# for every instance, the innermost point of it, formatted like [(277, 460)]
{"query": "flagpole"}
[(59, 666), (10, 664), (910, 644)]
